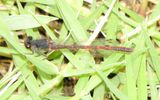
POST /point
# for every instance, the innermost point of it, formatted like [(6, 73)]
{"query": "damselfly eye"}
[(27, 42), (27, 45)]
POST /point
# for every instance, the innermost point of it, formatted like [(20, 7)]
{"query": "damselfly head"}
[(28, 41)]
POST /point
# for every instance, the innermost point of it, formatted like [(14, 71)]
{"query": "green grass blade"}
[(142, 80), (17, 22), (153, 54), (71, 22), (11, 89), (110, 85), (131, 79)]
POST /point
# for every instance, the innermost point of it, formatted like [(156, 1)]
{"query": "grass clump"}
[(80, 74)]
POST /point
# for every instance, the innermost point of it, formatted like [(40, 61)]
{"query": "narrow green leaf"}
[(131, 79), (17, 22), (71, 22), (99, 92), (142, 80), (11, 89), (153, 54), (152, 84), (110, 85)]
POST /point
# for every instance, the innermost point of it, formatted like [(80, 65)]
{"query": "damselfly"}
[(45, 44)]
